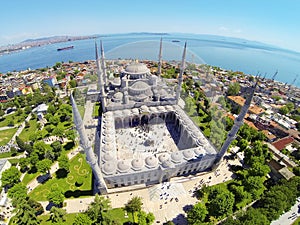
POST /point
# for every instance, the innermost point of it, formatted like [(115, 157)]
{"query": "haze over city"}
[(274, 23)]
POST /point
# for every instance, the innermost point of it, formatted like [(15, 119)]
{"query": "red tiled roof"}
[(282, 143)]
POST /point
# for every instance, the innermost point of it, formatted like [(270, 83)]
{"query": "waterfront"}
[(228, 53)]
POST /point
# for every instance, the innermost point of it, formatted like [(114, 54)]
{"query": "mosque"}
[(144, 136)]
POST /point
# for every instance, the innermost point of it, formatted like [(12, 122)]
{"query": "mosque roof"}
[(137, 68)]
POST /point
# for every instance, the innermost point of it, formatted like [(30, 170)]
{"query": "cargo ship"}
[(65, 48)]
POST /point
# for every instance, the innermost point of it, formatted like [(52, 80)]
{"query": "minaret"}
[(100, 81), (238, 122), (86, 145), (159, 60), (103, 64), (180, 78)]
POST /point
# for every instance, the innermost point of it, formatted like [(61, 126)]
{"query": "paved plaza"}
[(144, 140)]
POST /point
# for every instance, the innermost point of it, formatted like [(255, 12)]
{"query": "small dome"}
[(137, 68), (107, 139), (109, 168), (176, 157), (198, 151), (188, 154), (107, 148), (126, 112), (151, 161), (135, 111), (169, 107), (139, 85), (123, 167), (163, 157), (108, 157), (137, 164)]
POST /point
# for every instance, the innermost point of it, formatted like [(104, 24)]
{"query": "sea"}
[(250, 57)]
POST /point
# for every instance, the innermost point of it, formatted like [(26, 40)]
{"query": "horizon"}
[(259, 21)]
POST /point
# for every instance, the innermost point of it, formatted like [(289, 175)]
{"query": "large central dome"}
[(137, 68)]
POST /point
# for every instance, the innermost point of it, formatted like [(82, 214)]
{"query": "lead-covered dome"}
[(123, 166), (136, 68), (109, 168), (176, 157)]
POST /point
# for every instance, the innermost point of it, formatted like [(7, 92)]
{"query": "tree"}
[(134, 205), (20, 143), (18, 191), (56, 196), (72, 83), (56, 146), (233, 89), (254, 216), (145, 218), (63, 162), (44, 166), (98, 208), (259, 169), (82, 219), (25, 214), (10, 177), (23, 164), (254, 185), (40, 148), (220, 202), (197, 214), (57, 215)]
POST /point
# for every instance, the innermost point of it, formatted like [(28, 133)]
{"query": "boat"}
[(175, 41), (65, 48)]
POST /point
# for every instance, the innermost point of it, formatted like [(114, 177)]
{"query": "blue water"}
[(229, 53)]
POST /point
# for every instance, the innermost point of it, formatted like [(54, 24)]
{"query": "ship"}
[(175, 41), (65, 48)]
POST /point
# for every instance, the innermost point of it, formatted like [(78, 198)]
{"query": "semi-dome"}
[(163, 157), (109, 168), (137, 164), (151, 161), (137, 68), (139, 86), (176, 157), (123, 166), (188, 154)]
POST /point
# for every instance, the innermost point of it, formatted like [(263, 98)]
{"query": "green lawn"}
[(44, 219), (96, 110), (6, 135), (4, 121), (117, 214), (81, 110), (79, 169), (29, 177), (26, 132)]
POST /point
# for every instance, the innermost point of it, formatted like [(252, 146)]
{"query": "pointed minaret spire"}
[(100, 81), (103, 64), (180, 78), (159, 59), (98, 67), (85, 144), (238, 122)]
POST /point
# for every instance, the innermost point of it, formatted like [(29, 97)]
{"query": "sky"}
[(272, 22)]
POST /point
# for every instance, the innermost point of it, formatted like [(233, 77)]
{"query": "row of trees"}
[(99, 213)]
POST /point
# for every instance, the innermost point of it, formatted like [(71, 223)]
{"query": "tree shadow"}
[(61, 173), (78, 193), (50, 205), (69, 146), (187, 208), (43, 178), (180, 219)]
